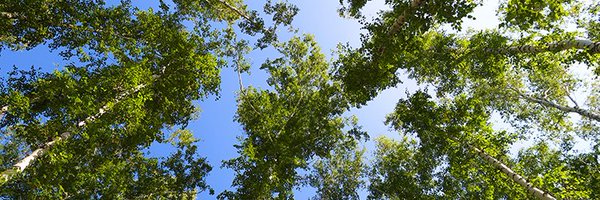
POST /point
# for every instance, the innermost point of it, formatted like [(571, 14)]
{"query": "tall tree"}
[(136, 74), (301, 118), (449, 136), (340, 175), (522, 70)]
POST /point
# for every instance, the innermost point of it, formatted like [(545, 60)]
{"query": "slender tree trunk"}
[(510, 173), (515, 177), (26, 162), (399, 22), (593, 47), (567, 109)]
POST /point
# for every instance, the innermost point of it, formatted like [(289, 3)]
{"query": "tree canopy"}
[(134, 77)]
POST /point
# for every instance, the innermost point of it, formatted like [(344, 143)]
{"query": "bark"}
[(513, 175), (2, 111), (400, 20), (567, 109), (238, 11), (26, 162), (593, 47), (510, 173), (9, 15)]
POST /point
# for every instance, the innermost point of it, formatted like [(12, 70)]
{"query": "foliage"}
[(285, 128), (137, 73), (523, 70), (339, 176), (440, 163)]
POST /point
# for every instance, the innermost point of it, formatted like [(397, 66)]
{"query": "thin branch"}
[(241, 84), (593, 47), (568, 109), (295, 109), (571, 98)]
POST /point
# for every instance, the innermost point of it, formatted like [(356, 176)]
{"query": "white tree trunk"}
[(26, 162), (593, 47), (515, 177), (236, 10), (8, 15), (509, 172)]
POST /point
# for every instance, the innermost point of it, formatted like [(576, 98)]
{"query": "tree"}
[(450, 134), (340, 175), (394, 176), (522, 70), (136, 74), (300, 119)]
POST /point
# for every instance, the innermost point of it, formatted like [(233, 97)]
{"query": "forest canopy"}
[(509, 112)]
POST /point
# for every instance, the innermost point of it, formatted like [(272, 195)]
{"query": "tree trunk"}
[(593, 47), (402, 18), (509, 172), (9, 15), (8, 174), (515, 177), (236, 10), (2, 111)]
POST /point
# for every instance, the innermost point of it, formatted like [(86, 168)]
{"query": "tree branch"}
[(236, 10), (567, 109), (593, 47), (572, 100)]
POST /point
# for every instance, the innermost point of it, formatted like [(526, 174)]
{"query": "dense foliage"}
[(525, 71)]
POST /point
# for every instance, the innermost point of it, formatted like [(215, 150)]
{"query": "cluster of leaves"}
[(371, 68)]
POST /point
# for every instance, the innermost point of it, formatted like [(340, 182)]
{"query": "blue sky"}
[(216, 128)]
